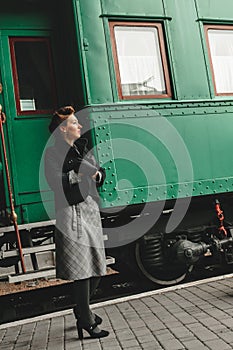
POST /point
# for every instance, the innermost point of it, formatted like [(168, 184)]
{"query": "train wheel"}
[(152, 265)]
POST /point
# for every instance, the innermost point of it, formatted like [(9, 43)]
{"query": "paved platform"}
[(189, 316)]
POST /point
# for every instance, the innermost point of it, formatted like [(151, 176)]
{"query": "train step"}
[(46, 273), (29, 250)]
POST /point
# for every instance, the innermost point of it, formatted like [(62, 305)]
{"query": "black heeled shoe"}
[(90, 329), (98, 319)]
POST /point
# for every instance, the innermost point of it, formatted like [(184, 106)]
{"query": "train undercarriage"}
[(168, 260), (204, 237)]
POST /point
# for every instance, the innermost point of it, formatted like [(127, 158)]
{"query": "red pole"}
[(13, 213)]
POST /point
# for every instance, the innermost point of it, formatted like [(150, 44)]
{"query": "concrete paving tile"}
[(218, 328), (91, 346), (52, 346), (7, 347), (181, 332), (8, 342), (109, 342), (137, 323), (112, 347), (156, 326), (72, 347), (202, 332), (128, 343), (185, 318), (228, 322), (145, 338), (23, 344), (173, 344), (226, 336), (151, 346), (143, 331), (218, 344), (194, 345), (164, 334)]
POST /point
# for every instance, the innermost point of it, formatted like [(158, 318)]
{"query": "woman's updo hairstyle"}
[(59, 117)]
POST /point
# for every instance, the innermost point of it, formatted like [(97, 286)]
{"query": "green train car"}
[(152, 82)]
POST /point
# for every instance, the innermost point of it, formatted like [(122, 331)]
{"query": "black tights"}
[(83, 291)]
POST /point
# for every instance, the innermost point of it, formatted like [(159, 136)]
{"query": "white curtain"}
[(221, 48), (139, 59), (223, 71), (141, 69)]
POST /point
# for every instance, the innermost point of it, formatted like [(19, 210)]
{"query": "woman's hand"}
[(95, 175)]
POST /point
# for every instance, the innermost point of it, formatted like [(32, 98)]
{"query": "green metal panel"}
[(152, 154), (19, 14), (134, 8), (215, 10), (94, 51), (28, 139), (190, 75), (28, 155)]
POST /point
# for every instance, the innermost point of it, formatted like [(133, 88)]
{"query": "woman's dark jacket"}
[(69, 172)]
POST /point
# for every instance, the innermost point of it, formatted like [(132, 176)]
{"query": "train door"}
[(28, 98), (2, 196)]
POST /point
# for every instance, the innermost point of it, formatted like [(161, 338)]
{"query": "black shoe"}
[(98, 320), (90, 329)]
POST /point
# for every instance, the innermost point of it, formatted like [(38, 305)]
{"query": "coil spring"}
[(151, 251)]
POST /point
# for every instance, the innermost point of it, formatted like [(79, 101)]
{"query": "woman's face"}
[(72, 129)]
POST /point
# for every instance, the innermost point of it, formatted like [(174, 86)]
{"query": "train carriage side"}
[(155, 81), (164, 131)]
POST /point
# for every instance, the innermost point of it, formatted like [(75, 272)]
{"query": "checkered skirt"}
[(79, 242)]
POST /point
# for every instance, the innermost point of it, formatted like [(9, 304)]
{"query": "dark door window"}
[(33, 75)]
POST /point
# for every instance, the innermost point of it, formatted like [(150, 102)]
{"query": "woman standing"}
[(73, 175)]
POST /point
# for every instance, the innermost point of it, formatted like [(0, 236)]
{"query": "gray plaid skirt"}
[(79, 242)]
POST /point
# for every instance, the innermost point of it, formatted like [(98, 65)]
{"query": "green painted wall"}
[(187, 57), (164, 152), (215, 10)]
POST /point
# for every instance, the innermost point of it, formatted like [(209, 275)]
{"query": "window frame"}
[(163, 56), (46, 40), (215, 27)]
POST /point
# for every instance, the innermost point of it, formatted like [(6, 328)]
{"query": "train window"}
[(140, 60), (32, 74), (220, 43)]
